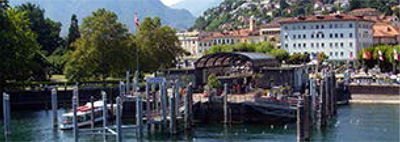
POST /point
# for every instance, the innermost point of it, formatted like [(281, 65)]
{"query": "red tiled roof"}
[(323, 18), (363, 10), (384, 30)]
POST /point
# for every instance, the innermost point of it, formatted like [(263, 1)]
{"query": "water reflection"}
[(353, 123)]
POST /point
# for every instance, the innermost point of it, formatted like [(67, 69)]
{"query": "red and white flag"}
[(136, 20), (366, 55), (395, 55), (380, 55)]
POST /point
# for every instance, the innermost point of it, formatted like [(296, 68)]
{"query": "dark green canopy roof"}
[(257, 60)]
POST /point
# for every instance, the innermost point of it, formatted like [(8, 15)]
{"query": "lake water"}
[(353, 123)]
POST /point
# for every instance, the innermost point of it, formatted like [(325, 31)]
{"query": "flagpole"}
[(136, 21)]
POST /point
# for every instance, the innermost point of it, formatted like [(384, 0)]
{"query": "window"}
[(312, 36), (317, 35), (341, 54), (351, 25), (304, 27), (322, 35), (312, 45), (341, 44), (304, 36), (336, 54), (286, 27), (351, 44), (294, 36), (331, 44), (286, 37), (323, 45), (299, 36), (336, 44), (317, 45), (330, 53), (330, 26), (299, 45), (336, 26), (331, 35), (341, 35), (286, 45), (336, 35), (322, 26), (294, 45), (317, 27), (304, 45), (350, 35), (200, 44)]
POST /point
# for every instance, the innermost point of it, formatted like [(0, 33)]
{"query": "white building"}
[(189, 41), (338, 36)]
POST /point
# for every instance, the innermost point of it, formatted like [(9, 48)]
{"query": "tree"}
[(48, 37), (283, 4), (18, 46), (102, 50), (159, 45), (321, 57), (73, 33), (281, 55), (354, 4), (48, 31)]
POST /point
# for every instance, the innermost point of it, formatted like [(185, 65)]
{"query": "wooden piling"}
[(313, 104), (333, 94), (6, 114), (300, 121), (172, 120), (307, 115), (75, 118), (327, 97), (190, 93), (163, 105), (139, 117), (75, 93), (177, 99), (321, 108), (118, 119), (92, 110), (105, 109), (226, 103), (186, 111), (148, 117), (54, 107), (127, 87)]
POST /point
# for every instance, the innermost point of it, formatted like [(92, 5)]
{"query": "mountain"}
[(235, 14), (196, 7), (61, 10)]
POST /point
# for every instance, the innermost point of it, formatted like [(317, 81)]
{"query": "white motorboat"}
[(84, 115)]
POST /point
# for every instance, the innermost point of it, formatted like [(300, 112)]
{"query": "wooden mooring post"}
[(188, 106), (307, 115), (321, 108), (172, 121), (75, 118), (164, 105), (139, 116), (54, 107), (118, 119), (105, 109), (92, 114), (300, 121), (6, 114), (226, 117), (75, 93)]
